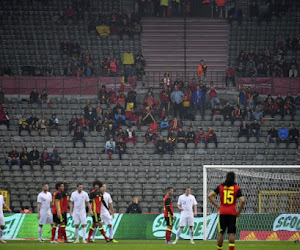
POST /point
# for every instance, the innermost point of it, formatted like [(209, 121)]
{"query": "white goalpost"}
[(270, 189)]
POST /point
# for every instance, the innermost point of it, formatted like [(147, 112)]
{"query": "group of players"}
[(100, 207)]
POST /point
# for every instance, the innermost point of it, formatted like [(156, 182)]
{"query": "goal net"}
[(272, 201)]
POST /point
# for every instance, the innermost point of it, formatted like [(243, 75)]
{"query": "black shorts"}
[(61, 220), (169, 221), (228, 222), (96, 218)]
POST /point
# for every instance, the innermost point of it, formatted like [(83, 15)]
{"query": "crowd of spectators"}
[(261, 63)]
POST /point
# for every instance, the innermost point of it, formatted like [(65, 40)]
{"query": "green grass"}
[(148, 245)]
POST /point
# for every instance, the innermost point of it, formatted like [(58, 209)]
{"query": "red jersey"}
[(96, 200), (168, 206), (66, 198), (228, 198), (60, 197)]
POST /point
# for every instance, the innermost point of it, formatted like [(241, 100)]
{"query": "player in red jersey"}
[(230, 193), (59, 216), (96, 199), (168, 213)]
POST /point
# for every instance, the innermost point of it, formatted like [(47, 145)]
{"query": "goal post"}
[(270, 189)]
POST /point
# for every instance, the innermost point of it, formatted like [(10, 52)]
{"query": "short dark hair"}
[(79, 184), (169, 188), (58, 184), (187, 187), (45, 183), (97, 183)]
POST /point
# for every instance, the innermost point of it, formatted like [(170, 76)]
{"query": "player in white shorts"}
[(44, 201), (106, 214), (2, 222), (79, 200), (186, 204)]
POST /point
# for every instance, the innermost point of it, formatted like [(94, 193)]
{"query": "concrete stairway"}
[(163, 44)]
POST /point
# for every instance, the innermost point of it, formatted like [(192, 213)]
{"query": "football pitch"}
[(148, 245)]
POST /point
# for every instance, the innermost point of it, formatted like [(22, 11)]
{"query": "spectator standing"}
[(164, 99), (130, 102), (164, 5), (177, 98), (13, 158), (230, 75), (201, 71), (103, 95), (198, 101), (34, 156), (2, 99), (34, 96), (128, 62)]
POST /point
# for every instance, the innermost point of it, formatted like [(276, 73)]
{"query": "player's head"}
[(135, 199), (170, 191), (230, 179), (45, 187), (66, 185), (60, 186), (97, 185), (187, 190), (104, 187), (79, 187)]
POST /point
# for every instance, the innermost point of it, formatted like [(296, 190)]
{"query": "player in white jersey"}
[(187, 204), (106, 214), (79, 200), (2, 222), (44, 202)]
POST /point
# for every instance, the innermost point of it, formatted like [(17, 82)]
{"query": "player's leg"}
[(53, 230), (62, 227), (93, 227), (220, 241), (107, 221), (169, 223), (231, 241), (232, 223), (222, 229), (40, 233), (2, 226), (102, 231), (191, 225), (182, 223), (83, 224), (76, 233)]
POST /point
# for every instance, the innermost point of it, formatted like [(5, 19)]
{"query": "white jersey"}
[(45, 199), (107, 199), (187, 203), (80, 200), (1, 205)]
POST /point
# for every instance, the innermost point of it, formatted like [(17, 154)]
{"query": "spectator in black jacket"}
[(180, 135), (24, 157), (121, 147), (34, 156), (293, 134), (78, 136), (255, 129), (34, 96), (272, 135), (13, 158), (244, 130), (160, 146), (1, 96), (32, 122), (134, 207), (91, 116), (190, 135), (227, 112), (131, 100), (103, 95)]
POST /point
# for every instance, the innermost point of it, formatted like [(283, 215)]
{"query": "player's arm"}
[(168, 206), (111, 209), (242, 202), (57, 198), (38, 209), (7, 207), (71, 208), (195, 210), (89, 207), (211, 196), (179, 204)]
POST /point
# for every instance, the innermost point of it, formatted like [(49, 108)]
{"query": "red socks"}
[(91, 233), (168, 235), (53, 233), (231, 246), (62, 231), (103, 233)]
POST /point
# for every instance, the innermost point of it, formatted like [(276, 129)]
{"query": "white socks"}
[(178, 233), (76, 233), (192, 234), (1, 233), (83, 233), (40, 232), (111, 232)]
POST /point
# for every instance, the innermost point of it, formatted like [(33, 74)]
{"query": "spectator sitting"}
[(121, 147), (2, 99), (193, 85), (119, 119), (114, 67), (6, 70), (293, 134), (131, 99), (34, 156), (230, 75), (244, 130), (23, 125), (227, 112), (212, 137), (200, 137), (33, 122), (103, 95), (289, 108), (24, 157), (73, 123), (43, 124), (150, 136), (175, 124), (297, 101), (13, 158), (151, 102), (293, 69), (279, 105), (70, 14), (251, 71), (171, 142), (34, 96), (68, 70), (121, 134), (4, 117), (75, 49), (198, 101), (272, 135), (148, 117), (270, 108), (65, 48), (48, 70), (84, 123), (134, 207), (283, 134), (247, 114), (181, 136), (120, 98), (132, 118), (164, 124), (160, 146), (218, 114), (130, 135), (110, 147), (106, 66), (257, 114), (190, 136), (164, 99), (78, 136), (114, 29), (91, 116), (54, 158), (213, 96), (53, 123), (255, 129), (45, 158), (236, 114)]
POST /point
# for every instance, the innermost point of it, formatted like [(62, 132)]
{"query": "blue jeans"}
[(13, 162), (214, 101)]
